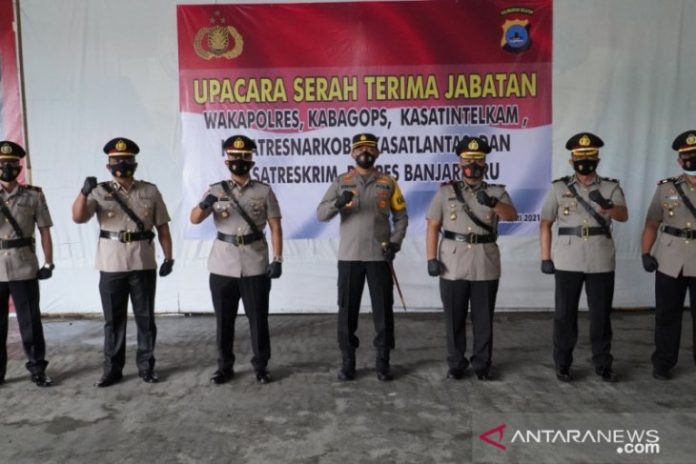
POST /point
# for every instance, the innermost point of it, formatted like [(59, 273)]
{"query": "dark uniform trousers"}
[(25, 294), (115, 288), (351, 281), (254, 292), (670, 293), (599, 288), (456, 295)]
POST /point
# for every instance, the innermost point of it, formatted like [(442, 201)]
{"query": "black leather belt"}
[(581, 231), (237, 240), (124, 236), (469, 238), (688, 234), (16, 243)]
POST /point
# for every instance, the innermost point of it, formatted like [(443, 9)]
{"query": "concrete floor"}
[(306, 416)]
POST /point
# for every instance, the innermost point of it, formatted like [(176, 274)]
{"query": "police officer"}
[(669, 234), (127, 210), (238, 262), (584, 206), (469, 259), (23, 207), (365, 199)]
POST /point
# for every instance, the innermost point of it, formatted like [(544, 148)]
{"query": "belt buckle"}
[(239, 240), (126, 236), (689, 234), (585, 231), (473, 238)]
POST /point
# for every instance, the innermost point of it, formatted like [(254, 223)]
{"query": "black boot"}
[(384, 373), (347, 371)]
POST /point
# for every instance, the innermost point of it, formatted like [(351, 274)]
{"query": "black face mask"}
[(585, 166), (473, 170), (689, 163), (366, 160), (9, 172), (123, 169), (240, 167)]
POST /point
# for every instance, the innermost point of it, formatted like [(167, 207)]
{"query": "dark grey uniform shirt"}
[(365, 223), (260, 203), (463, 261), (146, 202), (28, 206), (674, 254), (577, 254)]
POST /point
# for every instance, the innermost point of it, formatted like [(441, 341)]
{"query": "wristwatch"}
[(277, 259), (50, 267)]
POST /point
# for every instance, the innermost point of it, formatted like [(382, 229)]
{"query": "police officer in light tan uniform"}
[(366, 201), (238, 263), (22, 208), (126, 256), (468, 261), (583, 205), (670, 235)]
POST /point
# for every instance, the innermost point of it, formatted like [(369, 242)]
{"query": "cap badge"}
[(363, 137), (120, 145), (473, 145), (6, 149), (691, 139), (238, 143), (584, 141)]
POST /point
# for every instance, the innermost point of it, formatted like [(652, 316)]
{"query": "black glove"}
[(600, 200), (89, 185), (486, 200), (390, 250), (345, 198), (547, 266), (434, 267), (274, 269), (166, 267), (208, 202), (649, 262), (45, 272)]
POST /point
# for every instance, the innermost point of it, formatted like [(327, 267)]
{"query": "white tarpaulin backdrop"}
[(623, 69)]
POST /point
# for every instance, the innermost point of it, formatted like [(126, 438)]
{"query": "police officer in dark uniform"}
[(469, 258), (238, 262), (127, 211), (584, 206), (365, 199), (23, 208), (670, 236)]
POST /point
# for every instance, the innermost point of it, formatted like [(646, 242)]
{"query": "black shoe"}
[(222, 376), (385, 376), (108, 380), (455, 373), (659, 374), (41, 380), (563, 374), (484, 375), (607, 375), (149, 376), (384, 373), (262, 376), (346, 376), (347, 371)]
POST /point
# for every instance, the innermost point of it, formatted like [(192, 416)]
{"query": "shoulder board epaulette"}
[(669, 179), (384, 178), (217, 183), (561, 179), (348, 175), (32, 187), (146, 182), (106, 182), (256, 181), (496, 185), (609, 179)]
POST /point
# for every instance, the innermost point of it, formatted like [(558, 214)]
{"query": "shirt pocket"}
[(257, 208)]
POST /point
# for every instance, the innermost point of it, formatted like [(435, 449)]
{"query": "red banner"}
[(11, 121)]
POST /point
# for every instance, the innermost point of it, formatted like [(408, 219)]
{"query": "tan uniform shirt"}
[(146, 202), (28, 206), (577, 254), (260, 203), (674, 254), (365, 221), (464, 261)]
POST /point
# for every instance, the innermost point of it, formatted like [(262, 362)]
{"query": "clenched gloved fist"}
[(390, 250), (89, 185), (166, 267), (434, 267), (274, 269), (486, 200), (600, 200), (649, 262), (46, 272), (208, 202), (547, 266), (345, 198)]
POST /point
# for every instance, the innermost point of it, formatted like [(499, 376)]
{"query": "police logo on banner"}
[(516, 37)]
